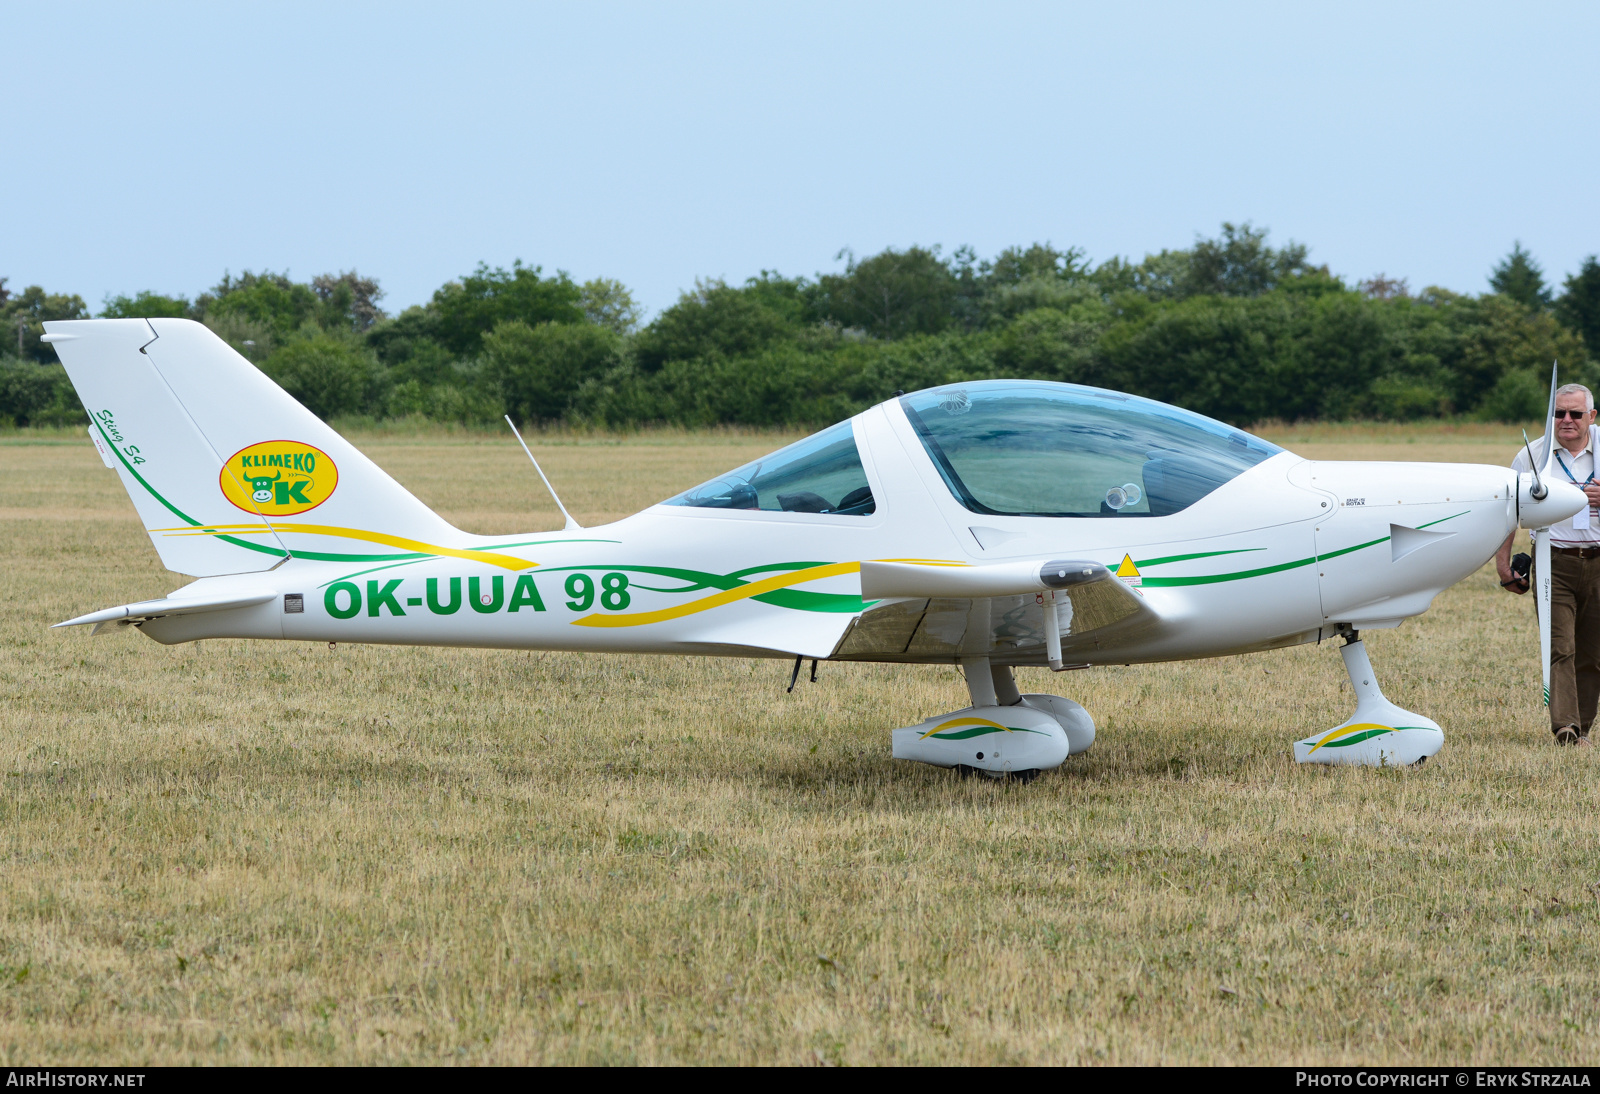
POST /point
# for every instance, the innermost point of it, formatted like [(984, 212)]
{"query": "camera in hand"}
[(1521, 564)]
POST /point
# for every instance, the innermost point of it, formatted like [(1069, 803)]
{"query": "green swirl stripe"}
[(980, 731)]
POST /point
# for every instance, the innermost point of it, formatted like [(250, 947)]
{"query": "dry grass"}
[(252, 852)]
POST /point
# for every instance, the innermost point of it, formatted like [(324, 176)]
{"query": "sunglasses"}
[(1575, 415)]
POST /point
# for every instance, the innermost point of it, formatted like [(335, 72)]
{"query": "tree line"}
[(1232, 327)]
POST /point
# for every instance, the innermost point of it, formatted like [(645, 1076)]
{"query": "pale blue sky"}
[(154, 146)]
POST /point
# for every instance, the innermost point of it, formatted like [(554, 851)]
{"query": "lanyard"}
[(1573, 478)]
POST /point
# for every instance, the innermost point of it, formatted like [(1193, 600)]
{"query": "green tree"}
[(716, 320), (37, 394), (1519, 277), (268, 300), (1052, 344), (537, 371), (254, 341), (1518, 396), (893, 293), (607, 303), (406, 335), (1383, 287), (331, 376), (23, 315), (1420, 340), (1163, 276), (1496, 335), (147, 305), (347, 301), (1239, 263), (1021, 279), (1040, 260), (1003, 302), (466, 310), (1578, 306), (792, 298), (1279, 355)]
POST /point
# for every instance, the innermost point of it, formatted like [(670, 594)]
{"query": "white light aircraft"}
[(988, 524)]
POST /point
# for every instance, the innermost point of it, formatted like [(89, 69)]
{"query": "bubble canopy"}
[(1034, 448), (1011, 448), (821, 474)]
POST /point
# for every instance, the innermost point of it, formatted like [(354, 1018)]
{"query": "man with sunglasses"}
[(1574, 571)]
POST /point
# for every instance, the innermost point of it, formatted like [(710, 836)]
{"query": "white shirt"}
[(1579, 469)]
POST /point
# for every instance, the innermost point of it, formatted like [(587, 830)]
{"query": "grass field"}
[(238, 852)]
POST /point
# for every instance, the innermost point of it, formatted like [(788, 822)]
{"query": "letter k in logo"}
[(289, 492)]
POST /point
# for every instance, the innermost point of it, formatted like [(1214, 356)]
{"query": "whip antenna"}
[(571, 524)]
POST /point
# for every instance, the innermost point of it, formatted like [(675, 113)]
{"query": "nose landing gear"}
[(1379, 734)]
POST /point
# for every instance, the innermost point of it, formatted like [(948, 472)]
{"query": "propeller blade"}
[(1541, 536), (1550, 424), (1541, 565)]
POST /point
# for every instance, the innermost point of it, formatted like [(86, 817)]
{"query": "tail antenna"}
[(571, 524)]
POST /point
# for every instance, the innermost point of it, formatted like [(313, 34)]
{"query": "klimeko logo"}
[(278, 478)]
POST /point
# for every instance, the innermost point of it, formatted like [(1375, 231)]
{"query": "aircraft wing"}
[(935, 612)]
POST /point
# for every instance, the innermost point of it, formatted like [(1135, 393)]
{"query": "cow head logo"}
[(261, 487), (278, 478)]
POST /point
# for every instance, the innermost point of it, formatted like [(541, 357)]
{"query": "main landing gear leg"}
[(1379, 734), (1005, 685), (981, 683)]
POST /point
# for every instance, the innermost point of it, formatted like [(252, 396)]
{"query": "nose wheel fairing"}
[(1378, 734)]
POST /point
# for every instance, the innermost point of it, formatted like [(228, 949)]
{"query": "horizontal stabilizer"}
[(153, 609)]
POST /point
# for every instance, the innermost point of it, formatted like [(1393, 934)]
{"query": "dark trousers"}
[(1574, 640)]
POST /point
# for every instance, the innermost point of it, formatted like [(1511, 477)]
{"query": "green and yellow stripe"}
[(509, 562), (961, 729)]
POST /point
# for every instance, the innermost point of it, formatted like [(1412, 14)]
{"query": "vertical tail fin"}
[(227, 471)]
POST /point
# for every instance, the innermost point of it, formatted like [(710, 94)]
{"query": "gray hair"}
[(1577, 389)]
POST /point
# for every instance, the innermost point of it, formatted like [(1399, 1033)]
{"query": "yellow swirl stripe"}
[(924, 561), (509, 562), (1335, 734), (716, 600), (954, 722)]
